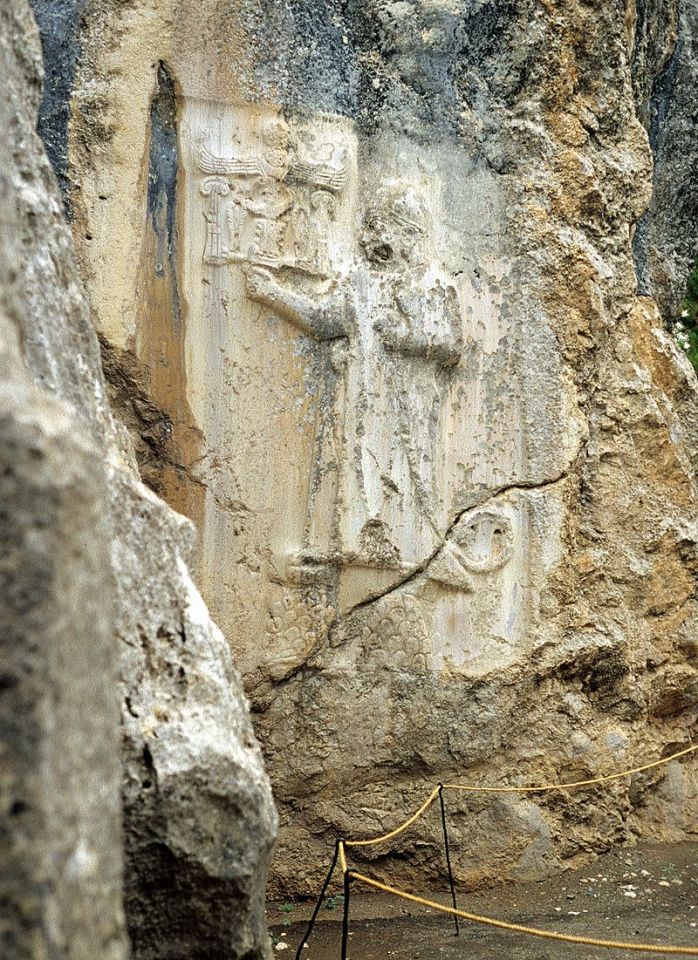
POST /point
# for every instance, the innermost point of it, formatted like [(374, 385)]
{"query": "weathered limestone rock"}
[(364, 277), (198, 811), (96, 572), (665, 73), (60, 772), (61, 850)]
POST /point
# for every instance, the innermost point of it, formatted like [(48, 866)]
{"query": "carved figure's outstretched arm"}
[(323, 319), (447, 345), (428, 325)]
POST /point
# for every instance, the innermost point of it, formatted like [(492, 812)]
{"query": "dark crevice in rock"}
[(168, 441), (656, 111), (59, 27), (664, 77), (660, 100), (149, 427), (163, 169)]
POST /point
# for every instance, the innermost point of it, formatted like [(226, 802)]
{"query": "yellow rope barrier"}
[(540, 788), (342, 846), (569, 786), (520, 928), (394, 833)]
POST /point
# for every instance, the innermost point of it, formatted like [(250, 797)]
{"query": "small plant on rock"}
[(686, 327)]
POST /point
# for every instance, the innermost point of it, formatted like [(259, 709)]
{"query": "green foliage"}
[(691, 348), (686, 327), (690, 304), (333, 902), (286, 908)]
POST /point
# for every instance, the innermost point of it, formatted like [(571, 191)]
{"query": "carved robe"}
[(407, 332)]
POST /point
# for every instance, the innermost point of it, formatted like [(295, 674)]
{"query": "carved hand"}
[(260, 285)]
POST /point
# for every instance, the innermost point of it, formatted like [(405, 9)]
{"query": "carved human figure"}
[(310, 236), (216, 250), (260, 198), (399, 320), (268, 206)]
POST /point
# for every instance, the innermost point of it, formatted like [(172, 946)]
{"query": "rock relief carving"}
[(393, 325), (298, 627), (262, 205), (396, 636), (399, 320), (482, 542)]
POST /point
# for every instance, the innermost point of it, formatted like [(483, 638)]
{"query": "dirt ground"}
[(645, 893)]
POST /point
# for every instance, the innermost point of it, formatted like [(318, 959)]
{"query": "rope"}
[(520, 928), (394, 833), (578, 783), (349, 875), (531, 789)]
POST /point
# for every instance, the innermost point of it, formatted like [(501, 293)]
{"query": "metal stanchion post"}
[(448, 856), (323, 891), (345, 918)]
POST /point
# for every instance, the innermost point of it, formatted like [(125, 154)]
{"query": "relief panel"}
[(268, 203), (332, 355)]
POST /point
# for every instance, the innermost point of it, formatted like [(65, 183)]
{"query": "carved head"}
[(323, 203), (396, 226), (275, 135)]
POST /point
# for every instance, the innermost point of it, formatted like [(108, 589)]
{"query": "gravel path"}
[(647, 893)]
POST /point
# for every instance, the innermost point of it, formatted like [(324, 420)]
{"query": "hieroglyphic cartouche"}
[(269, 208)]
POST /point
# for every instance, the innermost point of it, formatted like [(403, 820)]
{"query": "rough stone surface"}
[(365, 280), (97, 574), (198, 811), (60, 772), (665, 73)]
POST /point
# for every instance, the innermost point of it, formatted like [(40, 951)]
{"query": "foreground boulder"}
[(98, 608), (61, 850)]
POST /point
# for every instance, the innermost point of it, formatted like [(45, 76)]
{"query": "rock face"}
[(60, 812), (99, 608), (364, 278), (665, 72)]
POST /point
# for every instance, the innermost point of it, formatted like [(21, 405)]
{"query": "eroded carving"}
[(342, 338), (396, 636), (271, 208), (298, 626), (482, 542), (399, 318), (216, 250)]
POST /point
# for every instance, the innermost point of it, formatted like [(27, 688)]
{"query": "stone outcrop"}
[(99, 608), (60, 781), (665, 73), (198, 814), (365, 281)]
